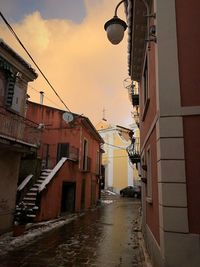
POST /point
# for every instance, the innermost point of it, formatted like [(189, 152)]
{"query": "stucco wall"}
[(188, 38), (152, 209), (8, 187), (50, 203), (191, 126)]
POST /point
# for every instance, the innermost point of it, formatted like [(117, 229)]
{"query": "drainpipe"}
[(41, 97)]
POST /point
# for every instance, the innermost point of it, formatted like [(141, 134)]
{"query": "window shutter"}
[(10, 90), (62, 150)]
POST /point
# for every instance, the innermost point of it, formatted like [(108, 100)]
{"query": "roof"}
[(84, 120), (136, 37), (8, 49), (92, 129)]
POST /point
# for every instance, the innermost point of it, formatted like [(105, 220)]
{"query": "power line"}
[(115, 146), (32, 88), (15, 35)]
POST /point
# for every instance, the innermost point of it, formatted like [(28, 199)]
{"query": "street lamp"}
[(115, 27)]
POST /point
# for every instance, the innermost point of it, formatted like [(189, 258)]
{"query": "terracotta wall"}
[(57, 131)]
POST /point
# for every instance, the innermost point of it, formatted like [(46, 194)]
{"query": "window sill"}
[(146, 106), (149, 200)]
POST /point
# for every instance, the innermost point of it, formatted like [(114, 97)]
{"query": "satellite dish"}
[(68, 117)]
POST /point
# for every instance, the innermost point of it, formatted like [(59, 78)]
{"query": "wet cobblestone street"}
[(104, 237)]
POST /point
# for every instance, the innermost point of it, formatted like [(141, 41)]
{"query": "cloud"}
[(86, 70)]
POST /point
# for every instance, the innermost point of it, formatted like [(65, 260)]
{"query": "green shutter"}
[(10, 90), (4, 65)]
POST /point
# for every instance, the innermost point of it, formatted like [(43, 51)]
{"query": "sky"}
[(67, 40)]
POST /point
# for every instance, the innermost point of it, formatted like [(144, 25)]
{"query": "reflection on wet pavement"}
[(104, 237)]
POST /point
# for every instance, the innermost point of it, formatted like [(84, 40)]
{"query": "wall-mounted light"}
[(115, 27)]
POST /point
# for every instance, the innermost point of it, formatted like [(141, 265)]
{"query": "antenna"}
[(68, 117), (104, 114)]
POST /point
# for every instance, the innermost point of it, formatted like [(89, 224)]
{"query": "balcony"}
[(133, 152), (135, 99), (17, 128)]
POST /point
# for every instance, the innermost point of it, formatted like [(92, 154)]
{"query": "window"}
[(17, 98), (62, 151), (145, 87), (85, 154), (149, 175), (10, 90), (145, 82)]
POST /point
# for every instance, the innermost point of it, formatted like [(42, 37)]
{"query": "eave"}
[(137, 29)]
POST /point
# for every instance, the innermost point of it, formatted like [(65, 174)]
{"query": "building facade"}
[(119, 171), (163, 51), (18, 136), (71, 159)]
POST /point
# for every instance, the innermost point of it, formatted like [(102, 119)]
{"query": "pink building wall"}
[(188, 38)]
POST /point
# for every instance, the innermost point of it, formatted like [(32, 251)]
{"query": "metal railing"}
[(19, 128)]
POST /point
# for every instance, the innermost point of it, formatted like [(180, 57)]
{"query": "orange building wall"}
[(57, 131)]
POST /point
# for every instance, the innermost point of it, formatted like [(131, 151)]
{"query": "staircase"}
[(31, 196)]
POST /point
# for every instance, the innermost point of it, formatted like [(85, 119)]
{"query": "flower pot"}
[(19, 229)]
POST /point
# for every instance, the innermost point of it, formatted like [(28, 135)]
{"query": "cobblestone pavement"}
[(104, 237)]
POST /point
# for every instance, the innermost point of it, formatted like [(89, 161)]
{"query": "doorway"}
[(68, 197)]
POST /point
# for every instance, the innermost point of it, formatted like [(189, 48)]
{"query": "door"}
[(68, 197)]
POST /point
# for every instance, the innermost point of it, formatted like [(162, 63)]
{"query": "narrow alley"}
[(104, 237)]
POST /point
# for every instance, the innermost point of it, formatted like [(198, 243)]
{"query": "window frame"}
[(149, 191), (145, 86), (85, 154)]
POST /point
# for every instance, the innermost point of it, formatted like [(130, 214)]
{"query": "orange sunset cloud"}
[(85, 69)]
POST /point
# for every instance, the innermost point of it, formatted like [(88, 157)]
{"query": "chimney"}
[(41, 97)]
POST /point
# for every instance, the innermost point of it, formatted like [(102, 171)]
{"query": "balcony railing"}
[(19, 128), (133, 152)]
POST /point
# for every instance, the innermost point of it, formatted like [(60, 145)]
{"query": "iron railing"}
[(19, 128)]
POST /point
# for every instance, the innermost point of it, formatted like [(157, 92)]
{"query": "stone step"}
[(43, 177), (29, 199), (31, 194)]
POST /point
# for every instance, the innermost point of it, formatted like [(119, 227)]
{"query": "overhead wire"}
[(37, 66), (34, 89), (115, 146)]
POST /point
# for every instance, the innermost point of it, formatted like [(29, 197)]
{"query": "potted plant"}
[(22, 216)]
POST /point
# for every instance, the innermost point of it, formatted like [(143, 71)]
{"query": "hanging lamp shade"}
[(115, 28)]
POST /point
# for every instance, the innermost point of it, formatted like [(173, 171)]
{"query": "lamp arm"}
[(148, 16), (118, 7)]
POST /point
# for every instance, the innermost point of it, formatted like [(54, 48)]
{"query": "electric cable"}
[(115, 146), (37, 66), (46, 97)]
